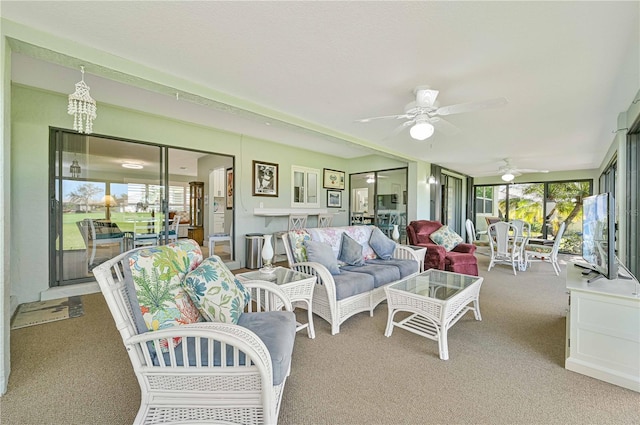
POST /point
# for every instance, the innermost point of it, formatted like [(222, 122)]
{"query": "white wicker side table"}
[(422, 252), (437, 299), (296, 285)]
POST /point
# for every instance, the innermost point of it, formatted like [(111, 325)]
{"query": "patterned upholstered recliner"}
[(459, 260)]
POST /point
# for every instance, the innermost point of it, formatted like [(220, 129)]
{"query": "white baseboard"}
[(69, 291)]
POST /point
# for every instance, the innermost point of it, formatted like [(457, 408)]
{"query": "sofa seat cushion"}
[(381, 274), (349, 283), (406, 267), (276, 329)]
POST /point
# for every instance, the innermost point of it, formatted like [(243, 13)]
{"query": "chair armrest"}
[(269, 293), (245, 340), (465, 247), (405, 253), (434, 259), (322, 274)]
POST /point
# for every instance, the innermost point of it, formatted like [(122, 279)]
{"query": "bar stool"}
[(325, 220), (296, 222), (221, 237)]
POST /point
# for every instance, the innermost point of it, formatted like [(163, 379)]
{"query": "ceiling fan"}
[(509, 171), (423, 114)]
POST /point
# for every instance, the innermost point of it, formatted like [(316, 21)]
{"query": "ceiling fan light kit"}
[(421, 130), (508, 177)]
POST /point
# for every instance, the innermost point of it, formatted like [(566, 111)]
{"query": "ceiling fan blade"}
[(444, 126), (471, 106), (396, 117)]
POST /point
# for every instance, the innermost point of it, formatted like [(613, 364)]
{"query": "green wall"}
[(33, 111)]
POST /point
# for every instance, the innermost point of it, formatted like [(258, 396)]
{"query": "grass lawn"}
[(72, 238)]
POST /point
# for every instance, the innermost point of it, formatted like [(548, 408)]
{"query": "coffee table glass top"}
[(279, 276), (436, 284)]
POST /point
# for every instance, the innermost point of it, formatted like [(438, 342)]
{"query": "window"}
[(306, 187), (484, 200)]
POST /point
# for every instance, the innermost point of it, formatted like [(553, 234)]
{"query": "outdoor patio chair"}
[(505, 245), (537, 251)]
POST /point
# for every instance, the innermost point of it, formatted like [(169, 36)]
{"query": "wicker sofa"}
[(234, 372), (355, 289)]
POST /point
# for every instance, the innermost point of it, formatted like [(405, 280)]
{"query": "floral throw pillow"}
[(297, 239), (219, 296), (446, 237), (157, 273)]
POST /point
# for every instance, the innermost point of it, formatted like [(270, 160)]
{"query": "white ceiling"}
[(567, 69)]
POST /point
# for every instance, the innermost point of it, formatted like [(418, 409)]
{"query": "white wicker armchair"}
[(325, 302), (228, 375)]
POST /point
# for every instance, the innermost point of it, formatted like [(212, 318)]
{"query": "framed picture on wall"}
[(229, 188), (333, 179), (334, 199), (265, 179)]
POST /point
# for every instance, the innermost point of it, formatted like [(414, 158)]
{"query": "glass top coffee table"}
[(296, 285), (437, 299)]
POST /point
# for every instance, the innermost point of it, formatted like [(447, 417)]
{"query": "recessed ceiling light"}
[(132, 165)]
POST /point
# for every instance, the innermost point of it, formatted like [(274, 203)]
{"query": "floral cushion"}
[(157, 273), (446, 237), (296, 240), (333, 237), (219, 296)]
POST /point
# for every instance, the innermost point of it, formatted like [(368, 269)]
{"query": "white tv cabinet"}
[(603, 329)]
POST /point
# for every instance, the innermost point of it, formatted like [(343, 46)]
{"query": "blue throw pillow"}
[(320, 252), (381, 244), (350, 251)]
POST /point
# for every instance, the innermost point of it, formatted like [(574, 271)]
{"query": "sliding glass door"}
[(545, 206), (380, 198), (100, 188)]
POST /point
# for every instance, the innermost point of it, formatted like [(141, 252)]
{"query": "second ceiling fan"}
[(423, 114)]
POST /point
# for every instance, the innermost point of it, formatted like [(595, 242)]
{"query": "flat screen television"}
[(598, 234)]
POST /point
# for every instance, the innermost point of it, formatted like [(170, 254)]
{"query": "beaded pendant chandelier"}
[(82, 107)]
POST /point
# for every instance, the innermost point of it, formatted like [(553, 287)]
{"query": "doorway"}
[(380, 198), (108, 195)]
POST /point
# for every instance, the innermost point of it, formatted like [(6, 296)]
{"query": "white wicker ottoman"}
[(437, 299)]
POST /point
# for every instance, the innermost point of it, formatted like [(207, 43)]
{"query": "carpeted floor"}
[(506, 369)]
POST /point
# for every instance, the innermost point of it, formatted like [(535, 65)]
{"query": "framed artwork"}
[(334, 199), (265, 179), (333, 179), (229, 188)]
